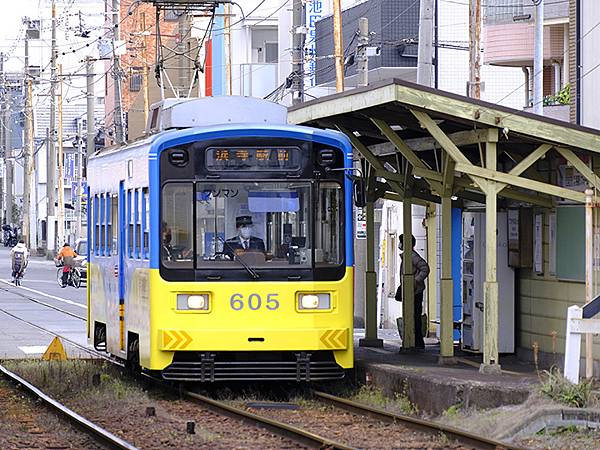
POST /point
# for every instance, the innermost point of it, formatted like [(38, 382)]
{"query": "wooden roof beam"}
[(581, 167), (453, 151), (513, 194), (460, 138), (538, 186), (370, 157), (526, 162), (403, 149)]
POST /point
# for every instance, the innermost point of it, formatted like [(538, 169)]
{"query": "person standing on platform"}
[(420, 272)]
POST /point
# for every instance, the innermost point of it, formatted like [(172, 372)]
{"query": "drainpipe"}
[(526, 85)]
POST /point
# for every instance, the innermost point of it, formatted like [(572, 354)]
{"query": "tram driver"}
[(244, 241)]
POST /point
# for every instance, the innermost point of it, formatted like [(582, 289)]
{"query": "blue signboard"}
[(70, 166), (314, 11)]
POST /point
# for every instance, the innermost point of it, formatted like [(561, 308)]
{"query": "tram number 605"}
[(254, 302)]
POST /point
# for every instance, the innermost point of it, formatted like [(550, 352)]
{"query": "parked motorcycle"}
[(10, 235)]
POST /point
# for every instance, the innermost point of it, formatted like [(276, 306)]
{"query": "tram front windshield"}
[(264, 224)]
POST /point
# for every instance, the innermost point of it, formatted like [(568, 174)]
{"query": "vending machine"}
[(473, 277)]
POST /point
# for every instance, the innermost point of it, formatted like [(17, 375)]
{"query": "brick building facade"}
[(139, 32)]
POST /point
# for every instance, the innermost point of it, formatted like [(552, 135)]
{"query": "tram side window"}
[(102, 224), (96, 216), (177, 225), (138, 225), (145, 221), (329, 230), (107, 238), (129, 225), (114, 208)]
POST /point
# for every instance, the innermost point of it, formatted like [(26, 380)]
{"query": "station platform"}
[(434, 388)]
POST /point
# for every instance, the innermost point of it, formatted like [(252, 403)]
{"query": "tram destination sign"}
[(253, 158)]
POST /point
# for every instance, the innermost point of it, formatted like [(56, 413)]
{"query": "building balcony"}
[(257, 79), (558, 112), (512, 44)]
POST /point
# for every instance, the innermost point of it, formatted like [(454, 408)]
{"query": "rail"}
[(100, 434), (282, 429), (463, 437)]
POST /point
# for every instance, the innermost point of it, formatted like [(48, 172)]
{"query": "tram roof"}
[(395, 118)]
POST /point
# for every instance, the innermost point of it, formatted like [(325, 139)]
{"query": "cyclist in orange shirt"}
[(66, 255)]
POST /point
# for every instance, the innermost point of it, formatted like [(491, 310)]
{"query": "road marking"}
[(64, 300), (28, 280), (33, 349)]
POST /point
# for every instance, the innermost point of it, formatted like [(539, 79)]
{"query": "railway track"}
[(303, 437), (297, 434), (99, 434)]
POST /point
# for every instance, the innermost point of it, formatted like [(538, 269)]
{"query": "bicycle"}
[(18, 274), (18, 268), (73, 276)]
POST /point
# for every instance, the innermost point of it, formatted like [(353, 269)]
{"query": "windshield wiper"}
[(249, 269)]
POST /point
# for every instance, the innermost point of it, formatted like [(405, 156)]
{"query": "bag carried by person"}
[(398, 296), (424, 325)]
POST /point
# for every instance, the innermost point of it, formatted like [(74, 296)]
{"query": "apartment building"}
[(509, 42)]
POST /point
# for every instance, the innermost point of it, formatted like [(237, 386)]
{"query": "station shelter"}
[(514, 196)]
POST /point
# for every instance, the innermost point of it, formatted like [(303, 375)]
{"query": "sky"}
[(11, 16)]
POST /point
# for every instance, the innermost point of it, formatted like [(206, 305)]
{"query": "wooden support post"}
[(431, 224), (490, 286), (408, 277), (589, 275), (370, 339), (447, 285)]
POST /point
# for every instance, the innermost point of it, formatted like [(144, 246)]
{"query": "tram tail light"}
[(314, 301), (192, 302)]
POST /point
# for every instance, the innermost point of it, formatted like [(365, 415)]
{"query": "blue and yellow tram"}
[(223, 252)]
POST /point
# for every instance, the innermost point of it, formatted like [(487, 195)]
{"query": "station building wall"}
[(542, 302)]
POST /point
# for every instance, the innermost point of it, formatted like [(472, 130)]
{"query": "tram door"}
[(116, 239)]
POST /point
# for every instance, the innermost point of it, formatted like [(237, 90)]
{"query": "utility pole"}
[(338, 46), (362, 60), (60, 234), (50, 148), (118, 113), (538, 59), (474, 90), (183, 62), (8, 161), (425, 49), (3, 211), (145, 70), (91, 129), (28, 150), (227, 38), (298, 37), (79, 194), (28, 210)]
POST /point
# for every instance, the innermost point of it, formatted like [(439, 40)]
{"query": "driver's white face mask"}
[(246, 232)]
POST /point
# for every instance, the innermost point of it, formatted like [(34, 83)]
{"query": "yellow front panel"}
[(249, 316)]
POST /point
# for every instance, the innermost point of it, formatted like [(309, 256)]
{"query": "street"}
[(39, 307)]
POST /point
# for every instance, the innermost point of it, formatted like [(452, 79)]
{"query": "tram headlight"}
[(314, 301), (192, 302)]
